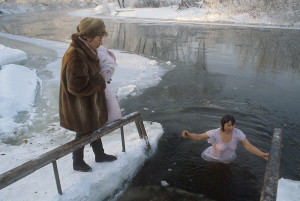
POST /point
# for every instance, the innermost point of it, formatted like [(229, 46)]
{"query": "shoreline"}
[(153, 20)]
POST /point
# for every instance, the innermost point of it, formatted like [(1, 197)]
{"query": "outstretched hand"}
[(185, 134), (265, 156)]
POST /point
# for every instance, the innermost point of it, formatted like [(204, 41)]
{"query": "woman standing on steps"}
[(82, 102)]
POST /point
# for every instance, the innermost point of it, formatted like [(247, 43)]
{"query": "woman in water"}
[(224, 141)]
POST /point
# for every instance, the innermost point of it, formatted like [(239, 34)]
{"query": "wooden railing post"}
[(57, 177), (269, 191), (142, 131), (123, 140), (138, 127)]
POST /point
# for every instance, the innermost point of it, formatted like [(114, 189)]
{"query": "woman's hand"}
[(185, 134), (112, 55), (254, 150), (265, 156), (194, 136), (102, 75)]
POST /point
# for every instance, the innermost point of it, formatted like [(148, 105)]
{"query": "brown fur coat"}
[(82, 103)]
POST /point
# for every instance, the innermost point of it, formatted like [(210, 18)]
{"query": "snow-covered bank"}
[(106, 178), (239, 12), (18, 88), (102, 182), (190, 15)]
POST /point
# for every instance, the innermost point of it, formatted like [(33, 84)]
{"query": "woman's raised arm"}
[(194, 136), (254, 150)]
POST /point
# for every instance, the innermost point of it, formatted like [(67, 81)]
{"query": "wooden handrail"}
[(269, 191), (31, 166)]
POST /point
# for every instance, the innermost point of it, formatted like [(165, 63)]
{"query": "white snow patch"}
[(10, 55)]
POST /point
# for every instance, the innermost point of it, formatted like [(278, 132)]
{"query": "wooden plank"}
[(269, 191)]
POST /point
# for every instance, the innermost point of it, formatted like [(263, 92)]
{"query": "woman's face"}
[(228, 126), (95, 42)]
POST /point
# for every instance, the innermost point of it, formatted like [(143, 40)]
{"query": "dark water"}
[(253, 73)]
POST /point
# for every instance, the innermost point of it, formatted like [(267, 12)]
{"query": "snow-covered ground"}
[(106, 177), (188, 15), (234, 13)]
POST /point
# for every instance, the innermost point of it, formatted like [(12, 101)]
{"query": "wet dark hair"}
[(227, 118)]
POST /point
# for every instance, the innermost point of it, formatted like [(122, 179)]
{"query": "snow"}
[(96, 185), (288, 190), (9, 55), (193, 15), (244, 13), (20, 85), (125, 91)]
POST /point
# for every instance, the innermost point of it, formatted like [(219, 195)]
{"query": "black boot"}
[(78, 162), (100, 156)]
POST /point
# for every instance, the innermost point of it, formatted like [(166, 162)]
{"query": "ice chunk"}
[(9, 55), (164, 183), (18, 86), (123, 92)]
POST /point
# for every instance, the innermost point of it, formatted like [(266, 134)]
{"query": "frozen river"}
[(253, 73)]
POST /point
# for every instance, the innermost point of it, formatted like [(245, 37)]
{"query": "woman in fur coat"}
[(82, 102)]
